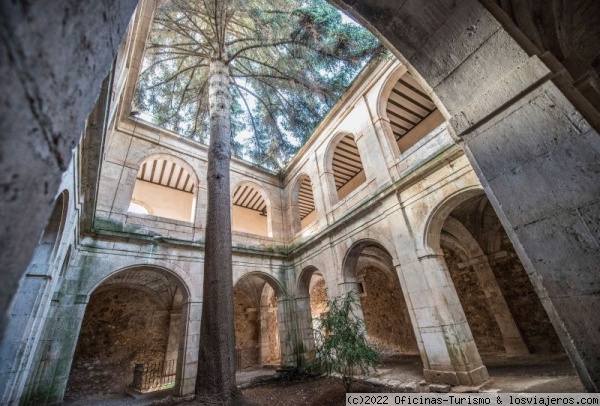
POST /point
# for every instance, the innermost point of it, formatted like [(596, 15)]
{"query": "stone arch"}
[(368, 239), (302, 202), (369, 269), (303, 283), (164, 296), (275, 284), (261, 335), (407, 111), (166, 186), (248, 213), (174, 158), (503, 311), (45, 253), (336, 185), (385, 91), (182, 281), (439, 214)]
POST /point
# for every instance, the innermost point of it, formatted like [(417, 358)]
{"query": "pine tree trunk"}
[(216, 366)]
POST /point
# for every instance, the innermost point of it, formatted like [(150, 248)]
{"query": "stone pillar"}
[(31, 304), (511, 336), (371, 150), (189, 345), (44, 60), (172, 352), (451, 352), (264, 335), (306, 339), (48, 380), (288, 334), (545, 153)]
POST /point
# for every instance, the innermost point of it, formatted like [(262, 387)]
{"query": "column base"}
[(474, 377)]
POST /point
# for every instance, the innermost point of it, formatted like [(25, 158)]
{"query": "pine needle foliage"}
[(289, 61), (341, 344)]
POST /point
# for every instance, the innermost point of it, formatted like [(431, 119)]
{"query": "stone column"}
[(372, 149), (48, 379), (25, 326), (451, 352), (511, 336), (172, 352), (264, 335), (306, 339), (189, 345), (545, 153)]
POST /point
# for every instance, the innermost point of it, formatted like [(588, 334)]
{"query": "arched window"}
[(165, 187), (347, 166), (303, 203), (411, 112), (250, 212)]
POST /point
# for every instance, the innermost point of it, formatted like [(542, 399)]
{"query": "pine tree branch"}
[(257, 140)]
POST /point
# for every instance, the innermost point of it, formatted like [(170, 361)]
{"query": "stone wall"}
[(247, 329), (273, 330), (385, 312), (486, 332), (121, 327), (318, 298)]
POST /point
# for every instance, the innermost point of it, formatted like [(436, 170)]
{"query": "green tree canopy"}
[(289, 62)]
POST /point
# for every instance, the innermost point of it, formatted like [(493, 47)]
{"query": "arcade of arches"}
[(455, 189)]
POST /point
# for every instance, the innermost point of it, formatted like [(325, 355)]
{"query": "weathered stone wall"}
[(318, 298), (273, 330), (53, 60), (385, 312), (247, 329), (121, 327), (485, 330)]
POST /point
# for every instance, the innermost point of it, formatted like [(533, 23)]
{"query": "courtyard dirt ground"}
[(260, 386)]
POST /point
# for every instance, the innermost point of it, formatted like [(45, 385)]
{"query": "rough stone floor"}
[(533, 373)]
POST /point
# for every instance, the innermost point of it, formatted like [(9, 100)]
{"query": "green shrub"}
[(340, 342)]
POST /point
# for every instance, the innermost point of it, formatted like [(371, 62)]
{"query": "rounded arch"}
[(353, 253), (45, 254), (165, 186), (328, 157), (302, 201), (435, 221), (392, 78), (303, 283), (265, 277), (344, 169), (408, 112), (171, 276), (140, 299), (369, 271), (258, 188), (251, 208)]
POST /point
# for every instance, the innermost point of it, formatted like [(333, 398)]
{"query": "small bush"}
[(340, 342)]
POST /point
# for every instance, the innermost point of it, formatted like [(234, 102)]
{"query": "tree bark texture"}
[(216, 368)]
